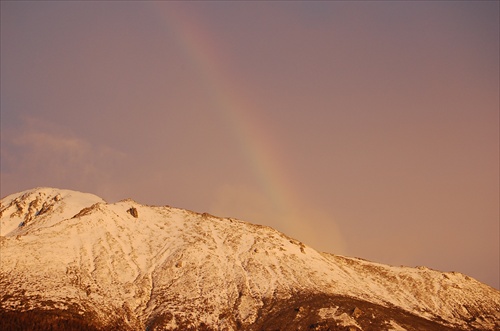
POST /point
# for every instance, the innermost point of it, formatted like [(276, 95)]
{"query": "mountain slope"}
[(146, 268)]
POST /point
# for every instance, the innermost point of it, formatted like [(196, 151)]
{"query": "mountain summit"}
[(69, 260)]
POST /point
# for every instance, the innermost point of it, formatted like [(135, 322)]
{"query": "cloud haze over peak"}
[(369, 129)]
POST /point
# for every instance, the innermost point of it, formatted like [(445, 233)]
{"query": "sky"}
[(366, 129)]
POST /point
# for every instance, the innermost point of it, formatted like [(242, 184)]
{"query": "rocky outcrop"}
[(133, 211)]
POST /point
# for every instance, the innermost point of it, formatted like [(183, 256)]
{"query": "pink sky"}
[(367, 129)]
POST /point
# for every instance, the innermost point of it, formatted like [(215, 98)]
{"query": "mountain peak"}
[(133, 267), (32, 208)]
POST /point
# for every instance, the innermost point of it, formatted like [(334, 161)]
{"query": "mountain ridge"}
[(164, 268)]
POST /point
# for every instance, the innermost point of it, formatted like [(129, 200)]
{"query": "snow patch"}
[(346, 320), (328, 313), (395, 326)]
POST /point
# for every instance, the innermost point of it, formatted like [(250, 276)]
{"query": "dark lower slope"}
[(314, 312), (48, 320), (323, 312), (51, 318), (300, 312)]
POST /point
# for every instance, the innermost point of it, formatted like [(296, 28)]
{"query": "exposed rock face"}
[(133, 211), (80, 260)]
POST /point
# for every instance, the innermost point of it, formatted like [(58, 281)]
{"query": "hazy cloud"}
[(39, 154)]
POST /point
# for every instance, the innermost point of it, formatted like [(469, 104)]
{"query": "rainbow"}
[(256, 144)]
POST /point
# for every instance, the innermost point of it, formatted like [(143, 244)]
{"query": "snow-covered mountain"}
[(70, 258)]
